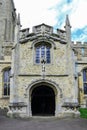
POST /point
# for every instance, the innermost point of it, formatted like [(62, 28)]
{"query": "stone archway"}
[(43, 101), (52, 86)]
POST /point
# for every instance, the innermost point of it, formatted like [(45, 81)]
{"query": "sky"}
[(53, 12)]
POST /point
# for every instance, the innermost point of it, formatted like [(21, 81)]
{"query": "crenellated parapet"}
[(80, 49), (42, 32), (78, 44), (43, 28)]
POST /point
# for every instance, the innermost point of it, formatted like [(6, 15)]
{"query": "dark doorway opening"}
[(43, 101)]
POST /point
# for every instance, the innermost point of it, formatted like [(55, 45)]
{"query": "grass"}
[(83, 112)]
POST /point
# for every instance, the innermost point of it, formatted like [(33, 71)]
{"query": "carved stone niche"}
[(42, 28)]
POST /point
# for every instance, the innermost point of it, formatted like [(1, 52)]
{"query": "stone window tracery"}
[(85, 80), (43, 51), (6, 81)]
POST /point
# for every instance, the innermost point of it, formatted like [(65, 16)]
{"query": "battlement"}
[(79, 44), (80, 49), (42, 28)]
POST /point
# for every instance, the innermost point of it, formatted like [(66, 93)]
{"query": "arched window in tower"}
[(6, 81), (85, 80), (43, 51)]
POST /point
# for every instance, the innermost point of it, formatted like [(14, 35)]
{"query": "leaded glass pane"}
[(5, 89), (6, 76), (6, 82), (85, 75), (38, 55), (85, 88), (85, 80), (8, 89), (37, 60), (48, 55), (48, 60), (83, 51), (9, 73), (42, 51)]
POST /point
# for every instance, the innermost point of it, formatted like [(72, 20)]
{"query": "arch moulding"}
[(44, 40), (49, 83)]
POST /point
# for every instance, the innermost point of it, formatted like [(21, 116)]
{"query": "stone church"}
[(42, 73)]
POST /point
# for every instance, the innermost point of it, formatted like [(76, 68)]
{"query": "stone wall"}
[(80, 51), (28, 65), (28, 71)]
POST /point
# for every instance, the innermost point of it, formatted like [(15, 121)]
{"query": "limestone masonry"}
[(42, 73)]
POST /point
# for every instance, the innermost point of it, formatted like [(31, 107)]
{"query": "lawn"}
[(83, 112)]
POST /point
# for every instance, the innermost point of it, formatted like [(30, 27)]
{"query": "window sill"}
[(5, 97), (38, 64), (85, 95)]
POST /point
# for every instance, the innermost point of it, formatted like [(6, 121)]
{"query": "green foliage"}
[(83, 112)]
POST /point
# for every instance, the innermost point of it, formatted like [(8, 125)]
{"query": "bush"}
[(83, 112)]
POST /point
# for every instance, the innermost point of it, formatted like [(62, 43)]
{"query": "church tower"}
[(7, 23), (7, 29)]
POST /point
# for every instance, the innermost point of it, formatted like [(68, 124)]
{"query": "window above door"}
[(42, 50)]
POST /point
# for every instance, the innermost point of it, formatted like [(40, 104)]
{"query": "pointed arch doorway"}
[(43, 101)]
